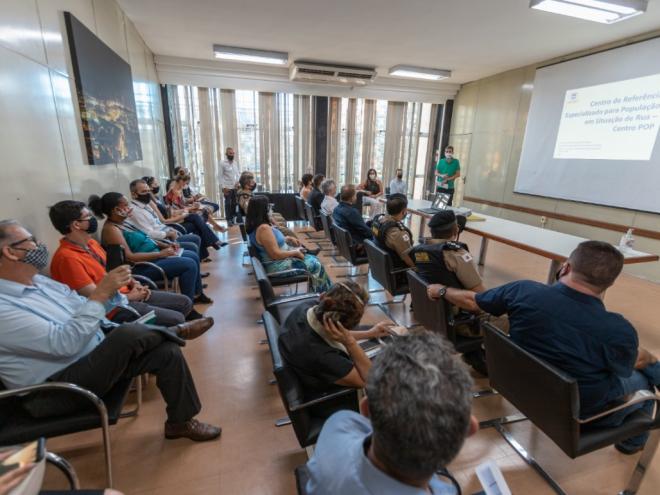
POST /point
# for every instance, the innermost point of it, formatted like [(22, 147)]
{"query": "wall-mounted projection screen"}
[(592, 130)]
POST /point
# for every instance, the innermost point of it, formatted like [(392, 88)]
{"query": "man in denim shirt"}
[(50, 333)]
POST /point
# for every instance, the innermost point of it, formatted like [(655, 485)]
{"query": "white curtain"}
[(368, 136), (394, 134), (269, 141), (334, 138), (351, 117), (208, 128)]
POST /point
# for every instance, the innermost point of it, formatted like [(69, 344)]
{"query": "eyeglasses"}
[(30, 239), (86, 219)]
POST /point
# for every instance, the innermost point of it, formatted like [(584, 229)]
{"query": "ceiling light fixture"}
[(250, 55), (603, 11), (409, 71)]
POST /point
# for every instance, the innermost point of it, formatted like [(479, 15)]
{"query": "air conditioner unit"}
[(318, 72)]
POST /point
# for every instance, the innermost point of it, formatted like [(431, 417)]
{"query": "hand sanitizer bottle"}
[(627, 241)]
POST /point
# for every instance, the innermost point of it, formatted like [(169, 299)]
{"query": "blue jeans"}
[(190, 242), (644, 379), (186, 267)]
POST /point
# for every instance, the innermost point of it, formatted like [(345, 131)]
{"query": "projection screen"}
[(592, 130)]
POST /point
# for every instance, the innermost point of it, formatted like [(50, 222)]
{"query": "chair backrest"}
[(381, 266), (300, 207), (326, 221), (265, 288), (344, 244), (244, 235), (548, 397), (432, 315), (288, 383)]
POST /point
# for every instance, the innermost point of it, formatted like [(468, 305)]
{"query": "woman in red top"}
[(176, 199), (79, 262)]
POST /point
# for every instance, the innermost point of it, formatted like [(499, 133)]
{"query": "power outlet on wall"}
[(543, 221)]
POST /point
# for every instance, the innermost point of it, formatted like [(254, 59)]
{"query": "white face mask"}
[(449, 155)]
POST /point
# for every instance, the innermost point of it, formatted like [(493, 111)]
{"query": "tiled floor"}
[(232, 371)]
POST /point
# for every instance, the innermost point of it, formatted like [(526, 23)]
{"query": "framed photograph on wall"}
[(104, 87)]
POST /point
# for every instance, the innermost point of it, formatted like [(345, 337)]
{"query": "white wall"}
[(487, 132), (42, 155)]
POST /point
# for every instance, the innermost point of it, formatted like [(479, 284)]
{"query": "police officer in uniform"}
[(392, 236), (443, 260)]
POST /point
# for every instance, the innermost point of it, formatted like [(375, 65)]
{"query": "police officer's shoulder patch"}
[(406, 237), (467, 257), (454, 246)]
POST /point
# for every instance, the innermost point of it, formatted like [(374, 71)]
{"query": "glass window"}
[(247, 120), (379, 138)]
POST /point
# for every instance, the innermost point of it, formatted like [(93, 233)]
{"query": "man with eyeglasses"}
[(50, 333), (80, 263)]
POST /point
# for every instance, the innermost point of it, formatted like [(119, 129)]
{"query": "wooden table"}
[(550, 244)]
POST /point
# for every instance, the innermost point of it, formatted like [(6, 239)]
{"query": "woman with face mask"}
[(372, 188), (139, 247)]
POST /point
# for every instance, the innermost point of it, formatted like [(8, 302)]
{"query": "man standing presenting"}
[(447, 171), (230, 174)]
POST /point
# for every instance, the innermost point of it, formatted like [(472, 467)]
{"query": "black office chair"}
[(551, 400), (17, 426), (383, 270), (300, 208), (281, 277), (312, 217), (307, 411), (279, 306), (327, 222), (347, 249)]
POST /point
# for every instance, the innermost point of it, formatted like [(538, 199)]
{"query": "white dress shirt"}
[(231, 172), (328, 205), (398, 186), (144, 218)]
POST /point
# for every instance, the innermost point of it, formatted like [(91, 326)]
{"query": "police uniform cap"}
[(442, 220)]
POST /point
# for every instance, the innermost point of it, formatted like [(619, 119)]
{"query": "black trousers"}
[(128, 351), (170, 308), (230, 205), (195, 224)]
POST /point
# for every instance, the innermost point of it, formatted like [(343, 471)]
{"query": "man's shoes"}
[(194, 315), (624, 449), (193, 329), (207, 260), (204, 286), (313, 252), (192, 429), (203, 299), (204, 274)]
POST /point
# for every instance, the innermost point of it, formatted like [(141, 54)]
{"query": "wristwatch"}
[(442, 292)]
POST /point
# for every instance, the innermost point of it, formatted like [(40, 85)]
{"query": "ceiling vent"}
[(343, 75)]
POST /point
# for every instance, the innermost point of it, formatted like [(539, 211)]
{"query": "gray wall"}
[(42, 155), (487, 132)]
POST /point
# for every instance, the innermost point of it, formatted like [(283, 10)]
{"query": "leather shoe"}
[(204, 274), (624, 449), (193, 329), (192, 429)]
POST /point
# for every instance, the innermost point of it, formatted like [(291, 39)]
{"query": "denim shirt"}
[(45, 327)]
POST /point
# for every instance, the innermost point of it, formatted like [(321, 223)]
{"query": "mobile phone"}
[(30, 453), (115, 256)]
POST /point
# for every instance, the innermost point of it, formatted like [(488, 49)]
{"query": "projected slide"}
[(614, 121), (592, 133)]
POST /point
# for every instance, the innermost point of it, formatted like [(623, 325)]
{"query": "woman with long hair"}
[(306, 185), (372, 188), (279, 252), (139, 247)]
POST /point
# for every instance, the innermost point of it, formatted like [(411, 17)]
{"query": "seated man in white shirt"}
[(398, 185), (415, 418), (50, 333), (329, 203)]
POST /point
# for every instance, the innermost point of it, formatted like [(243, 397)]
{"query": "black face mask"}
[(93, 225), (399, 176), (230, 158), (155, 190), (144, 198)]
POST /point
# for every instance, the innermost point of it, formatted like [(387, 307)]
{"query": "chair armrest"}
[(400, 270), (64, 386), (146, 281), (155, 267), (322, 399), (639, 396), (290, 271), (289, 299)]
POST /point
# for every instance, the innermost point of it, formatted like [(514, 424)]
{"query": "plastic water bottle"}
[(627, 241)]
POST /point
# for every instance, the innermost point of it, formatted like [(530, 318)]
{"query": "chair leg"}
[(63, 465), (642, 464), (137, 383), (484, 393), (526, 456), (105, 428), (283, 422)]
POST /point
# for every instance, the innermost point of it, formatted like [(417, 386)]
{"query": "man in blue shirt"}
[(50, 333), (418, 404), (567, 325), (348, 217)]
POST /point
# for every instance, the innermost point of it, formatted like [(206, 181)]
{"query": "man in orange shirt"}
[(80, 261)]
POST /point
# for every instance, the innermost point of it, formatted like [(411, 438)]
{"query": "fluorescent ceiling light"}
[(419, 72), (250, 55), (603, 11)]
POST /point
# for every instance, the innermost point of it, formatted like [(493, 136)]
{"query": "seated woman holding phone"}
[(139, 247), (279, 252), (81, 263), (320, 346)]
